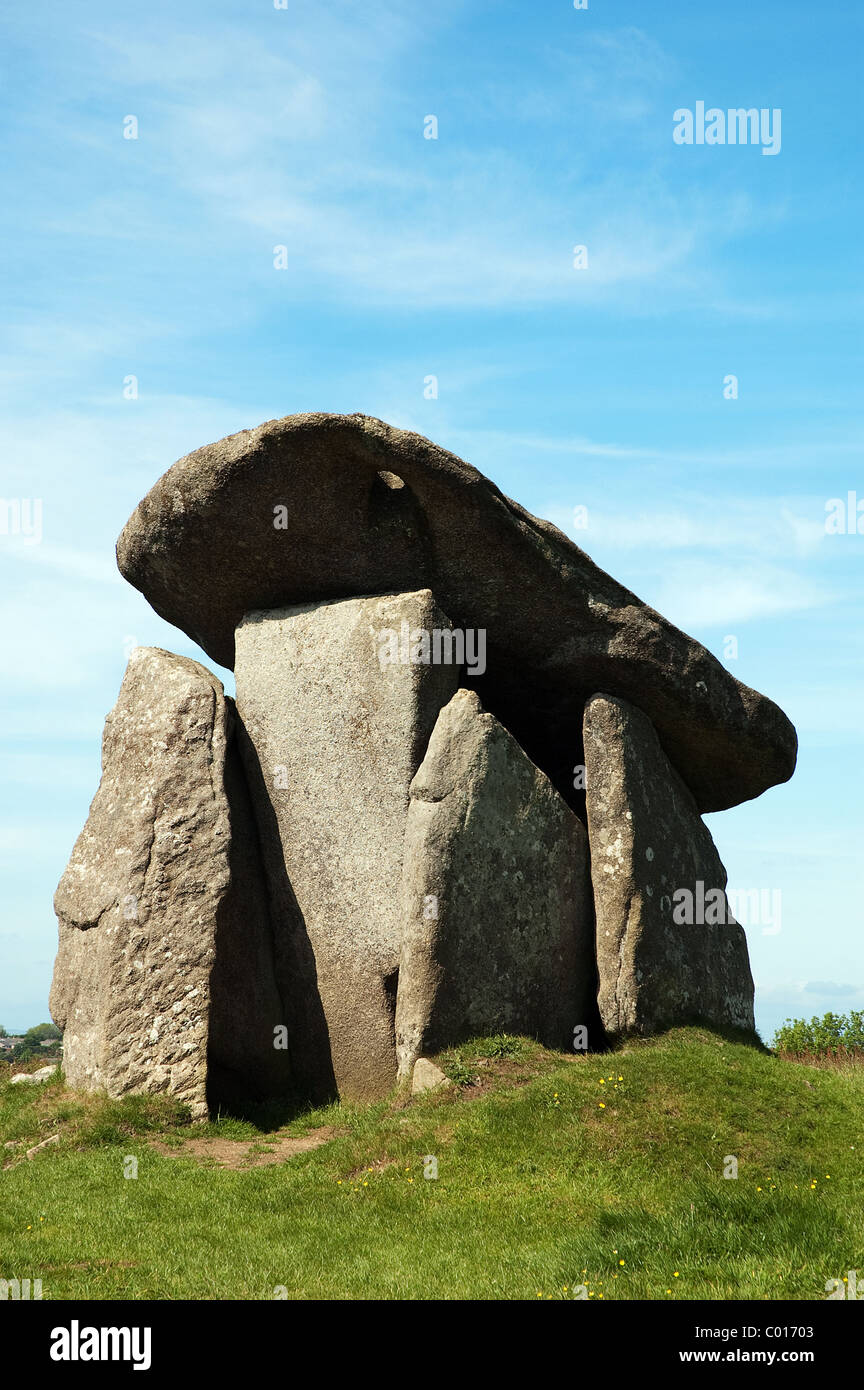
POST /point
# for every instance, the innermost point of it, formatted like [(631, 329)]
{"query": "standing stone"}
[(150, 890), (498, 932), (336, 730), (647, 842)]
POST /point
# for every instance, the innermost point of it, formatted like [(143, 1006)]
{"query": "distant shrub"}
[(833, 1035)]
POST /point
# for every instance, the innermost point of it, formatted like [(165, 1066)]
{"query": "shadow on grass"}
[(264, 1115), (741, 1037)]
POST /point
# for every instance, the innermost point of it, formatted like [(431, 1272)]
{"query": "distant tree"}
[(3, 1033), (43, 1031)]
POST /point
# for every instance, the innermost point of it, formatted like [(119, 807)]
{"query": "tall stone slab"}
[(164, 971), (649, 849), (338, 717), (498, 920)]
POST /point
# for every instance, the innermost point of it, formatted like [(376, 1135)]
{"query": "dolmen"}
[(459, 791)]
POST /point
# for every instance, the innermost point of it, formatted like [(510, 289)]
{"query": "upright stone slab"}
[(498, 923), (338, 722), (165, 964), (648, 842)]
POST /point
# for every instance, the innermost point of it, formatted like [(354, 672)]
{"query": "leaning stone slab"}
[(150, 984), (317, 507), (498, 928), (647, 843), (336, 731)]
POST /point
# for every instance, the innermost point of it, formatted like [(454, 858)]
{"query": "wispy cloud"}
[(759, 526), (307, 135), (92, 567), (788, 454), (831, 989), (696, 595)]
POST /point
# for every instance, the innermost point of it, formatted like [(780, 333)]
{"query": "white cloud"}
[(699, 594), (301, 132), (792, 453), (94, 568), (828, 989), (758, 526)]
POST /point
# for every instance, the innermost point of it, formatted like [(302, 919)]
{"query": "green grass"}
[(548, 1177)]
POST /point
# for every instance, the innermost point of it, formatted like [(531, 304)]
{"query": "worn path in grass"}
[(553, 1172)]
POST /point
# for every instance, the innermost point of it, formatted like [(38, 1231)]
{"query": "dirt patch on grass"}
[(495, 1074), (375, 1167), (248, 1153)]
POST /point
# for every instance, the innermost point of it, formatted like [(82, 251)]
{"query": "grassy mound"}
[(555, 1174)]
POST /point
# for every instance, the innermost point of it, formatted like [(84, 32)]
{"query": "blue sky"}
[(453, 257)]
